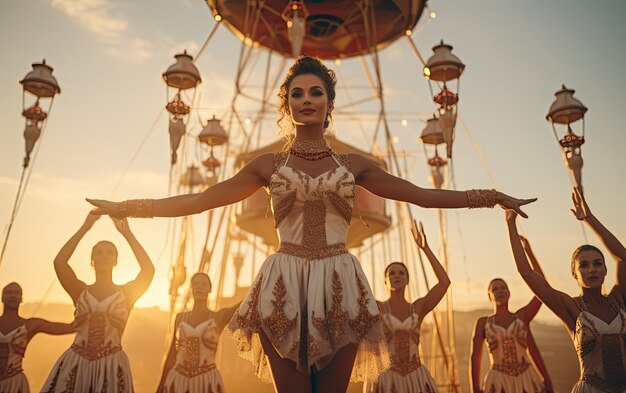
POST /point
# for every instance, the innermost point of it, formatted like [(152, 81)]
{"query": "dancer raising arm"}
[(15, 334), (190, 363), (508, 339), (96, 362), (310, 309), (402, 321), (596, 322)]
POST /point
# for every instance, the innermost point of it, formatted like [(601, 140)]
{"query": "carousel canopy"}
[(334, 28)]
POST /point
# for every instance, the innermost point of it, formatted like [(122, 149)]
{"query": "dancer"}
[(310, 309), (190, 363), (95, 362), (402, 321), (508, 338), (15, 333), (596, 322)]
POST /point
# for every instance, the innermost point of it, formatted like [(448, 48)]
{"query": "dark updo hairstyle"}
[(304, 65), (583, 248), (398, 263)]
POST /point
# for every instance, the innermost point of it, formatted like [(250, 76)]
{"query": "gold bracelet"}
[(135, 208), (481, 198)]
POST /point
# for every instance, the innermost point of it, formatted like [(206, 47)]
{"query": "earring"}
[(326, 121)]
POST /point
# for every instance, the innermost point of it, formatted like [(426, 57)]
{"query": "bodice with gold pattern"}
[(12, 347), (601, 347), (507, 346), (403, 339), (196, 346), (99, 324), (312, 214)]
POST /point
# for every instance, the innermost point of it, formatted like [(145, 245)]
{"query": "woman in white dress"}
[(190, 363), (402, 321), (96, 362), (508, 339), (15, 333), (596, 322), (310, 311)]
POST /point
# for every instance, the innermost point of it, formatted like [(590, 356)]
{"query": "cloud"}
[(107, 21)]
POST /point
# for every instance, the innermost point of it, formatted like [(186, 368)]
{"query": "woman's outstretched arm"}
[(72, 285), (528, 312), (535, 355), (243, 184), (616, 248), (369, 176), (38, 325), (561, 304), (427, 303), (137, 287), (476, 354)]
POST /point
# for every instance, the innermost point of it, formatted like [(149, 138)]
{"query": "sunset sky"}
[(108, 57)]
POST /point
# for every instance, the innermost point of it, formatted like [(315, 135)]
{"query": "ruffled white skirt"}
[(417, 381), (309, 309), (527, 382), (74, 373), (15, 384), (209, 382)]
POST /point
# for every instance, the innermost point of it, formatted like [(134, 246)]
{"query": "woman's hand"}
[(121, 225), (509, 203), (104, 207), (418, 235), (90, 220), (581, 211)]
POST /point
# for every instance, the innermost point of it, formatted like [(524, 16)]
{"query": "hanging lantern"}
[(176, 131), (434, 135), (213, 134), (192, 177), (40, 82), (566, 110), (296, 26), (442, 67), (212, 164), (436, 171), (183, 74)]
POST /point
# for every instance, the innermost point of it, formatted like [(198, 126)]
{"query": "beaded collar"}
[(310, 150)]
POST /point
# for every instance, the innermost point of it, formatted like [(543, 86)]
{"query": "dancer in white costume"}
[(190, 363), (310, 309), (402, 321), (596, 322), (95, 362), (15, 333), (508, 339)]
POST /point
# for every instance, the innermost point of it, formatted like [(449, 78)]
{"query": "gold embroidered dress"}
[(95, 362), (601, 349), (195, 371), (407, 374), (12, 347), (311, 297), (511, 371)]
